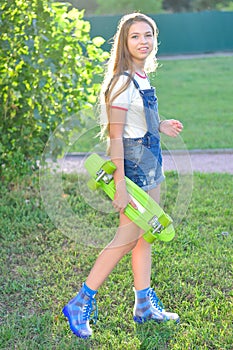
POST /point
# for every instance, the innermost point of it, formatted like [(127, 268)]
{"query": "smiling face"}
[(140, 42)]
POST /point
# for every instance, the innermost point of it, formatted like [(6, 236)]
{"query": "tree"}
[(177, 5), (194, 5), (48, 67), (201, 5), (125, 6), (89, 6)]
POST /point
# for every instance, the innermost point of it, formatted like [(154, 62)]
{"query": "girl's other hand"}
[(171, 127)]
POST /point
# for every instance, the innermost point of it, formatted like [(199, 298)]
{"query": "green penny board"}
[(149, 216)]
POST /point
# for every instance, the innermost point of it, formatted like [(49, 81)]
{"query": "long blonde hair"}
[(121, 61)]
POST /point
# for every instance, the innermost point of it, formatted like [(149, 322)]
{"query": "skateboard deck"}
[(149, 216)]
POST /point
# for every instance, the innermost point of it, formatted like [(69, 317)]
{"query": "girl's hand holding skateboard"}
[(122, 197)]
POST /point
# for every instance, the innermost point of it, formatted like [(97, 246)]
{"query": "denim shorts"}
[(143, 161)]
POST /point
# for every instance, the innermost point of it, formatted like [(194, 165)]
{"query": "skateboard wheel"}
[(167, 234), (165, 220), (109, 167), (93, 185), (149, 236)]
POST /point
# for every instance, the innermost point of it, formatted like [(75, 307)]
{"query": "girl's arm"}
[(170, 127), (117, 122)]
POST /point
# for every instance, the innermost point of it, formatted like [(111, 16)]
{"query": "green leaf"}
[(98, 41)]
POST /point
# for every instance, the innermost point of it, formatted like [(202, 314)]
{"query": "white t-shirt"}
[(131, 101)]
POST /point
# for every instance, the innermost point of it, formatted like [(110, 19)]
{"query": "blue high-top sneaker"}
[(78, 312), (149, 307)]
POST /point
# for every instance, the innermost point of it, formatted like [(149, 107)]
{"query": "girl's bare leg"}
[(141, 255), (124, 241)]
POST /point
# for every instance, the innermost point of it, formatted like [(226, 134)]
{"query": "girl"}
[(133, 127)]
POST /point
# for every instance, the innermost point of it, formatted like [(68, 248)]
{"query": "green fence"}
[(180, 33)]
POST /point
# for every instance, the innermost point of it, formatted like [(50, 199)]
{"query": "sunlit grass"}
[(42, 268)]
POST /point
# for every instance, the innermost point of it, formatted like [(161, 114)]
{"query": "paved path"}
[(209, 161), (212, 161)]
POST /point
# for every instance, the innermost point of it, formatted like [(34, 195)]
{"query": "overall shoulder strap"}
[(134, 81), (128, 75)]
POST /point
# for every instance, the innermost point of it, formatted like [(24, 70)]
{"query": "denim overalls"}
[(142, 156)]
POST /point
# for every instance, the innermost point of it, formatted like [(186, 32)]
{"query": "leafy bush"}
[(48, 67)]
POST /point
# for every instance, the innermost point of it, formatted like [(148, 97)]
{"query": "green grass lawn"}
[(199, 93), (42, 268)]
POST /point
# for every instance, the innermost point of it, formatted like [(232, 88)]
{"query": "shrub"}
[(48, 67)]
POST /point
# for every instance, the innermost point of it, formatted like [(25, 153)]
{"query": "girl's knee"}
[(122, 245)]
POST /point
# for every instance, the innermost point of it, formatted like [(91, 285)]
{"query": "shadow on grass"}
[(154, 336)]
